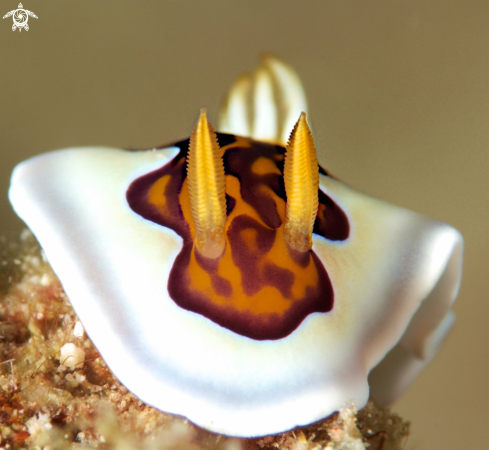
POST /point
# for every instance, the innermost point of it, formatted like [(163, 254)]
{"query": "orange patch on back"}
[(259, 286)]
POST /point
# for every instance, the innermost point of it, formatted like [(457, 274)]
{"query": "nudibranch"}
[(230, 279)]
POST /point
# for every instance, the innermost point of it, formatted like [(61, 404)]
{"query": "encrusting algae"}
[(54, 399)]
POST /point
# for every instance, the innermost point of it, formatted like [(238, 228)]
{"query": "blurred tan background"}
[(399, 101)]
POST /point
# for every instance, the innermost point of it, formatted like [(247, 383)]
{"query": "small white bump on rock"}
[(38, 423), (78, 330), (72, 356), (45, 280)]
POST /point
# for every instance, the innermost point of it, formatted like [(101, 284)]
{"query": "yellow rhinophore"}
[(206, 186), (301, 177)]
